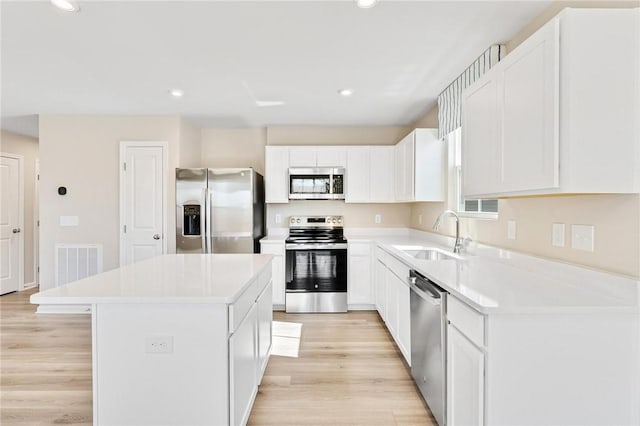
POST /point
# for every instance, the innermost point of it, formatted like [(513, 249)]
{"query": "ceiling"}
[(122, 57)]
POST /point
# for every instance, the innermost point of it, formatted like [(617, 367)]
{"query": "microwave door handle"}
[(331, 183)]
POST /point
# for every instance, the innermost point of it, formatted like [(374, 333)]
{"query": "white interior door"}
[(10, 224), (142, 200)]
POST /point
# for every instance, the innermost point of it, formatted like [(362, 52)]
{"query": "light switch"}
[(582, 237), (278, 218), (511, 229), (69, 220), (557, 234), (378, 218)]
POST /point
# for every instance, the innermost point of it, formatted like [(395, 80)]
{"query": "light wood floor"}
[(348, 372)]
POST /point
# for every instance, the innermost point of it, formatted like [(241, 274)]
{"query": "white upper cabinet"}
[(276, 179), (420, 167), (317, 156), (370, 174), (560, 113)]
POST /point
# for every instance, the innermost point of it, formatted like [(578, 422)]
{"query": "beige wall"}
[(82, 153), (234, 148), (190, 144), (355, 215), (27, 147), (616, 217)]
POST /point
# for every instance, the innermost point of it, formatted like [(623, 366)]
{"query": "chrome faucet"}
[(458, 244)]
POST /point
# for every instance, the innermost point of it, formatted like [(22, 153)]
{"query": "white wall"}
[(82, 153), (26, 146), (190, 144)]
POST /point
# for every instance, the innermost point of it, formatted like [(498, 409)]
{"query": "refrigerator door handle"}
[(209, 224), (204, 220)]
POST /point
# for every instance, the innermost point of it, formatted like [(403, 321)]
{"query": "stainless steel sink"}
[(431, 254)]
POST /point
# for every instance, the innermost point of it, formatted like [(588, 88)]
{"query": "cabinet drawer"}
[(399, 268), (264, 279), (239, 309), (466, 319), (359, 249), (382, 255)]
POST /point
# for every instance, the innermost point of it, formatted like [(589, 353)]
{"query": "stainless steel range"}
[(316, 265)]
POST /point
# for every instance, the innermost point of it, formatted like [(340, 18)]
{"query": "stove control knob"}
[(292, 220), (339, 220), (297, 220)]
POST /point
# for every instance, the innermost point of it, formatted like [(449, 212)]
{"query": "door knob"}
[(156, 237), (15, 230)]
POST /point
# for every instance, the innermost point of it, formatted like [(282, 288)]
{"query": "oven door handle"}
[(328, 246)]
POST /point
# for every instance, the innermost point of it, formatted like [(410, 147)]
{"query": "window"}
[(477, 208)]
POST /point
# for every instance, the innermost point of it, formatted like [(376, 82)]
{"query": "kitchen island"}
[(176, 339)]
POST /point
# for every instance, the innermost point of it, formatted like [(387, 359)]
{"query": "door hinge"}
[(125, 229), (124, 166), (38, 223), (38, 176), (38, 269)]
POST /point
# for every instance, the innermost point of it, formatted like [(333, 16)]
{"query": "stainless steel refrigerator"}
[(219, 210)]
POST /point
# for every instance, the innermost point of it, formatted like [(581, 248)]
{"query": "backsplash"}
[(355, 215), (615, 218)]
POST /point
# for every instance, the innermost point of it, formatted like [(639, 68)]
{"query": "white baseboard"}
[(362, 307), (64, 309), (27, 286), (278, 307)]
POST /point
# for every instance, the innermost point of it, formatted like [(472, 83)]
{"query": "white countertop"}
[(171, 278), (503, 281), (518, 283)]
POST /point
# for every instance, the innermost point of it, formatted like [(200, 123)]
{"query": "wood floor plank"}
[(347, 371)]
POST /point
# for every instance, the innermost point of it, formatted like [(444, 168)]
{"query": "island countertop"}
[(170, 278)]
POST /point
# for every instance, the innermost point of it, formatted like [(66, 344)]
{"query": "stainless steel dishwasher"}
[(428, 342)]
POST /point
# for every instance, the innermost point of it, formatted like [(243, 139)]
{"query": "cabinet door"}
[(381, 174), (381, 290), (277, 266), (409, 164), (331, 156), (400, 171), (481, 166), (265, 318), (404, 320), (360, 287), (465, 380), (392, 303), (530, 103), (276, 177), (357, 175), (243, 368), (302, 156)]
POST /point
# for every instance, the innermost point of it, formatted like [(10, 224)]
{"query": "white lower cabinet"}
[(265, 318), (393, 302), (276, 248), (243, 383), (359, 286), (465, 380), (381, 289)]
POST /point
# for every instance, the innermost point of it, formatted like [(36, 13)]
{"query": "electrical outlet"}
[(378, 218), (511, 229), (582, 237), (278, 218), (159, 344), (557, 234), (419, 219)]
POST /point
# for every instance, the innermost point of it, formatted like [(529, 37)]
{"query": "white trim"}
[(36, 227), (63, 309), (32, 284), (165, 178), (20, 159)]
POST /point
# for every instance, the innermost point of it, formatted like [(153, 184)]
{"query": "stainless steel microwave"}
[(317, 183)]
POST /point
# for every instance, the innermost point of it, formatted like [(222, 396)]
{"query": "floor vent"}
[(77, 261)]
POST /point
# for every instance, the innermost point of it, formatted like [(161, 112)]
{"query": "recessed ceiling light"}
[(345, 92), (366, 4), (176, 93), (66, 5)]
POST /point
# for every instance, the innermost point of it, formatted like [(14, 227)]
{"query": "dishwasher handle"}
[(425, 288)]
